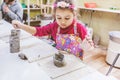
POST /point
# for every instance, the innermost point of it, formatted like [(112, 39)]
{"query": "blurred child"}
[(11, 10), (68, 34)]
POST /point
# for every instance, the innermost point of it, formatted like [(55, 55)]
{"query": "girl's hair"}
[(67, 1), (64, 4)]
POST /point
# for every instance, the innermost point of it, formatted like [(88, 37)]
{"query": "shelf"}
[(100, 9), (40, 8), (32, 21), (35, 21), (32, 8)]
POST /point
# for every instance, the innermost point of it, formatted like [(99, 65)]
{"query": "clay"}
[(14, 41), (22, 56), (59, 60)]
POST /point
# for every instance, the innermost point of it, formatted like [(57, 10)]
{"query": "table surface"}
[(14, 68)]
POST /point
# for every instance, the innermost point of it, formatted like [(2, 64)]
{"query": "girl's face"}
[(64, 17)]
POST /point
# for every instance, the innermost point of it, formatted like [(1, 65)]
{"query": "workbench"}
[(14, 68)]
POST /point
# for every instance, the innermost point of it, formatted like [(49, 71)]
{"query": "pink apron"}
[(69, 42)]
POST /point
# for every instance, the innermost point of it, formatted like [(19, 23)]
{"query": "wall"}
[(1, 2), (101, 3), (101, 22)]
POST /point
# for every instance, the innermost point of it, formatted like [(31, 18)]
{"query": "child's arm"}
[(18, 24)]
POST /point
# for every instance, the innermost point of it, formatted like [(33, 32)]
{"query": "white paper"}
[(72, 64), (39, 50)]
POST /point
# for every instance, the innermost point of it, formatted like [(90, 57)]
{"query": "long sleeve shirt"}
[(51, 29), (15, 13)]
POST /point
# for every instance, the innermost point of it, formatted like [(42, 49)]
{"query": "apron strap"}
[(58, 30), (75, 28)]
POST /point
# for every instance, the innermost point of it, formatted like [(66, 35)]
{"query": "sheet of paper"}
[(29, 42), (39, 50), (72, 64)]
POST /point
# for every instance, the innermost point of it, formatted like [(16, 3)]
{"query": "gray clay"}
[(14, 41), (59, 60)]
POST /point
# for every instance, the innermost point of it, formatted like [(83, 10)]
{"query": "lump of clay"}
[(59, 60)]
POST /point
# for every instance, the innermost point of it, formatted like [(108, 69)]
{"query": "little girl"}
[(68, 34)]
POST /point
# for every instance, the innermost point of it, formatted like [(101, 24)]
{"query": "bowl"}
[(90, 5)]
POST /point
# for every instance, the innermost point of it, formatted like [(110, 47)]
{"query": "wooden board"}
[(76, 75), (39, 50), (72, 64)]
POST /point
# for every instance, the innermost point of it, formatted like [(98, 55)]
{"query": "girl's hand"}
[(17, 24), (87, 43)]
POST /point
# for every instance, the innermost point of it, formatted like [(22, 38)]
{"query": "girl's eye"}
[(67, 18), (58, 18)]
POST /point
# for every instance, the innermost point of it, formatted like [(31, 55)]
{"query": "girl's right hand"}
[(17, 24)]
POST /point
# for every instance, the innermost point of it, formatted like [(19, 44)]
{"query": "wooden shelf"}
[(42, 9), (35, 21), (32, 8), (100, 9)]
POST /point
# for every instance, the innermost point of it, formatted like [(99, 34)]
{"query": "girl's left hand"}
[(87, 43)]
